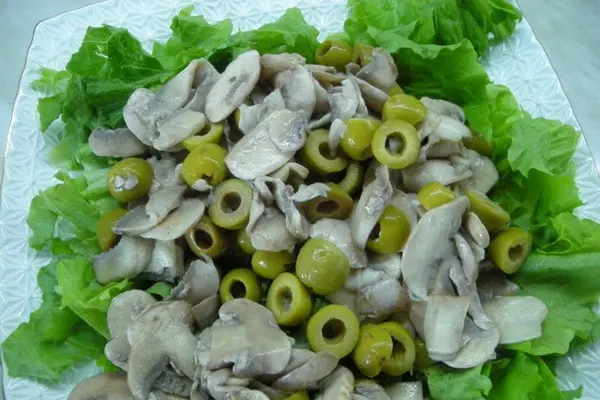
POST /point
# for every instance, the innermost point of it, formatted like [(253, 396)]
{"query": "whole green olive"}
[(356, 142), (334, 52), (130, 179), (322, 266), (404, 107), (104, 230), (391, 231), (270, 264), (207, 162)]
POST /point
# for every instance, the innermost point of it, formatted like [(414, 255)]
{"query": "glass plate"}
[(519, 63)]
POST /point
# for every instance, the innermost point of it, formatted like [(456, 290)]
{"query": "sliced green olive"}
[(270, 264), (240, 283), (396, 144), (243, 240), (322, 266), (403, 352), (205, 238), (434, 194), (210, 133), (353, 178), (230, 207), (396, 89), (130, 179), (404, 107), (356, 142), (391, 231), (206, 161), (334, 328), (510, 248), (289, 300), (422, 360), (334, 52), (373, 349), (300, 395), (479, 144), (104, 230), (491, 214), (337, 204), (316, 156), (361, 54)]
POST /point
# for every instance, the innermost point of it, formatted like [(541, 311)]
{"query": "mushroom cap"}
[(233, 86), (444, 322), (178, 127), (297, 88), (518, 318), (119, 143), (381, 299), (124, 309), (109, 386), (270, 232), (315, 366), (178, 222), (452, 129), (200, 281), (126, 260), (166, 263), (250, 116), (373, 97), (135, 107), (485, 174)]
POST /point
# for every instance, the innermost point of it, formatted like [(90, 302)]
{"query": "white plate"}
[(519, 63)]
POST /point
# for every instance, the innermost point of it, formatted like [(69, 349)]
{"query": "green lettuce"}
[(449, 384)]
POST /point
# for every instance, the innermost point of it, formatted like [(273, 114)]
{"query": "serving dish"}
[(519, 63)]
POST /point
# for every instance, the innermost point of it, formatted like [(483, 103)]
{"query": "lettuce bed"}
[(436, 45)]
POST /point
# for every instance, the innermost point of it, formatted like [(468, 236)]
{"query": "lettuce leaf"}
[(449, 384)]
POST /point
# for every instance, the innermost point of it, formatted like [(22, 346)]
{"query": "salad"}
[(257, 215)]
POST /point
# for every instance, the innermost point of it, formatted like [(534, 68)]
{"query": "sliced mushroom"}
[(381, 71), (518, 318), (315, 367), (178, 127), (444, 107), (205, 77), (467, 259), (166, 263), (247, 338), (361, 278), (452, 129), (290, 170), (371, 204), (201, 281), (381, 299), (338, 385), (126, 260), (479, 347), (416, 314), (443, 149), (403, 202), (429, 125), (319, 123), (390, 264), (321, 102), (336, 133), (273, 64), (206, 312), (444, 322), (233, 86), (160, 335), (222, 384), (476, 229), (418, 175), (270, 232), (339, 233), (345, 297), (136, 106), (429, 243), (485, 174), (374, 97), (370, 390), (326, 75), (463, 288), (344, 102), (297, 88), (166, 173), (251, 116), (109, 386), (493, 283), (115, 143), (405, 390), (295, 221), (178, 222)]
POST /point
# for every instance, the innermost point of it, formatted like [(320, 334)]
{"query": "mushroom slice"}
[(444, 107), (309, 192), (344, 102), (160, 335), (166, 263), (452, 129), (485, 174), (273, 64), (518, 318), (270, 232), (336, 133), (166, 173), (205, 77), (345, 297), (381, 71), (115, 143), (247, 337), (416, 314), (319, 123), (381, 299), (126, 260), (480, 346), (469, 266), (463, 288), (108, 385), (290, 170), (361, 278), (339, 233), (175, 129), (201, 280), (429, 125), (338, 385), (371, 204), (443, 149), (374, 97), (444, 322), (405, 390), (390, 264), (325, 75), (297, 88), (428, 244), (493, 283), (418, 175), (250, 116), (137, 104), (222, 384), (370, 390), (233, 86), (177, 222), (475, 228), (403, 202), (295, 221), (206, 312), (316, 367), (321, 102), (270, 145)]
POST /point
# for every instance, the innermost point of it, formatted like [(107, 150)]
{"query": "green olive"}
[(205, 238), (316, 156), (322, 266), (510, 248), (373, 349), (210, 133), (243, 240), (334, 52), (356, 142), (479, 144), (353, 178), (391, 231), (361, 54), (407, 138), (270, 264), (491, 214), (337, 204), (104, 230), (240, 283), (396, 89), (422, 360), (404, 107), (300, 395), (230, 206), (206, 161), (289, 300), (130, 179), (403, 352), (334, 328), (434, 194)]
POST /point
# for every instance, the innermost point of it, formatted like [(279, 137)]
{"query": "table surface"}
[(568, 30)]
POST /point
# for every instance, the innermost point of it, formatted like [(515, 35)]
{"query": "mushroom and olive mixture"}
[(336, 208)]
